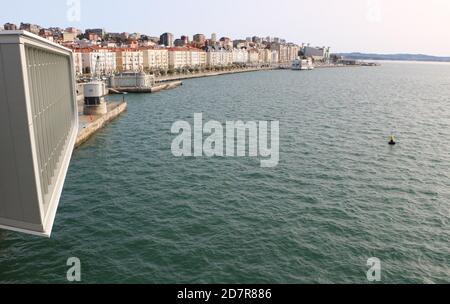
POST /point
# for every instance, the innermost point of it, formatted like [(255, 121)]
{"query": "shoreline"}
[(211, 74), (238, 71)]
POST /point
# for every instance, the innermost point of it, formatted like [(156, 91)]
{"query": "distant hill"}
[(400, 57)]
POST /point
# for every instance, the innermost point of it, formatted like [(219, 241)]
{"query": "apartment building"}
[(167, 39), (156, 59), (240, 56), (219, 57), (98, 61), (275, 57), (78, 63), (129, 60), (318, 54), (182, 57), (292, 52), (253, 56), (283, 56), (265, 56)]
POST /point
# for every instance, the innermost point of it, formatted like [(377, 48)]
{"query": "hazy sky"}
[(383, 26)]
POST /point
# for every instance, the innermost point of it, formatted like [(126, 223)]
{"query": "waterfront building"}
[(282, 53), (275, 57), (240, 56), (167, 40), (317, 53), (131, 80), (178, 58), (219, 57), (185, 57), (265, 56), (97, 61), (128, 60), (198, 57), (292, 52), (78, 62), (253, 56), (156, 59)]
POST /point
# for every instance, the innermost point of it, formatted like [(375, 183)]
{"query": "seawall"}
[(89, 125)]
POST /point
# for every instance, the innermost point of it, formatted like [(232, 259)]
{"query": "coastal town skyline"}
[(373, 26), (97, 51)]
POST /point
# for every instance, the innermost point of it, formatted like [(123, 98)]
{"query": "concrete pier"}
[(89, 125), (166, 86), (156, 88)]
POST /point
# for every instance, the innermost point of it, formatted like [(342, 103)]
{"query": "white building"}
[(183, 57), (253, 56), (275, 57), (129, 60), (318, 54), (78, 62), (98, 61), (156, 59), (292, 52), (265, 56), (240, 56), (219, 57)]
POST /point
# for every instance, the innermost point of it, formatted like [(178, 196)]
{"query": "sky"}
[(376, 26)]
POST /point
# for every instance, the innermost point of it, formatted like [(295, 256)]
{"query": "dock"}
[(153, 89), (89, 125)]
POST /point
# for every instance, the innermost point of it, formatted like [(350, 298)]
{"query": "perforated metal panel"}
[(39, 127)]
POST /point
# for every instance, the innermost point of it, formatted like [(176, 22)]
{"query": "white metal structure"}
[(38, 129)]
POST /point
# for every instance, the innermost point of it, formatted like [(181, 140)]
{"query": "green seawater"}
[(133, 213)]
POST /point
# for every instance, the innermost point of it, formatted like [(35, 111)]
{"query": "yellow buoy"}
[(392, 141)]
